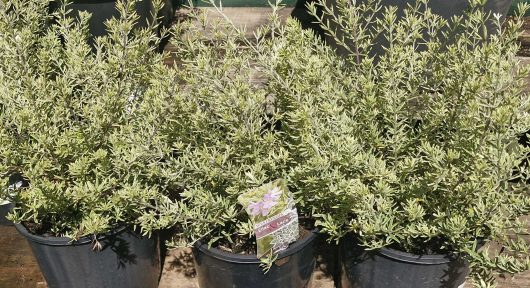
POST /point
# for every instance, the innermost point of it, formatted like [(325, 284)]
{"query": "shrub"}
[(245, 117), (80, 126), (439, 114)]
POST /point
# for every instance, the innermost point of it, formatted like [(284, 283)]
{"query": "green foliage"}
[(80, 123), (438, 113), (414, 147), (241, 120)]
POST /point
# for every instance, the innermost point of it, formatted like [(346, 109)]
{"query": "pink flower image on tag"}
[(264, 206)]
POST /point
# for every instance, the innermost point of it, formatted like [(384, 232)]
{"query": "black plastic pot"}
[(126, 260), (385, 268), (219, 269), (4, 210)]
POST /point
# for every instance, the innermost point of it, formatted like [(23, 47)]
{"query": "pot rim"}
[(251, 258), (425, 259), (402, 256), (64, 241)]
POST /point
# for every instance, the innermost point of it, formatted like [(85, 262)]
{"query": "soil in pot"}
[(234, 266), (385, 267), (125, 260)]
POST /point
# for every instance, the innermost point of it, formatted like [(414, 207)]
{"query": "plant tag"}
[(271, 209)]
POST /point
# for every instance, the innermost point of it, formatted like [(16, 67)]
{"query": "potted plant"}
[(359, 25), (441, 179), (446, 9), (80, 128), (242, 116), (104, 10)]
